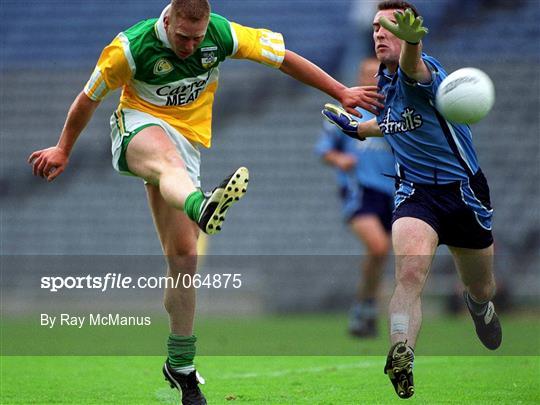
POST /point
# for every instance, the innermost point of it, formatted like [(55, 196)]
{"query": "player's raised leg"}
[(376, 239), (475, 268), (178, 237), (152, 156), (414, 243)]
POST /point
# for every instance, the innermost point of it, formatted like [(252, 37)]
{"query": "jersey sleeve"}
[(114, 68), (437, 76), (257, 44)]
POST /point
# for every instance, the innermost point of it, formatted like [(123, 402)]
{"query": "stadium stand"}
[(262, 120)]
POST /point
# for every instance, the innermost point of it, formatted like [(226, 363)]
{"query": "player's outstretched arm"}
[(51, 162), (307, 72), (411, 30), (348, 125)]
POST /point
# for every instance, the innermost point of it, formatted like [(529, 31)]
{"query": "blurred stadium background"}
[(287, 235)]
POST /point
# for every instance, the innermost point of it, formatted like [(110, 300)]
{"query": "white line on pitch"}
[(280, 373), (169, 396)]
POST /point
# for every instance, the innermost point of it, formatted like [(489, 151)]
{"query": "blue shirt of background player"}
[(374, 160), (427, 148)]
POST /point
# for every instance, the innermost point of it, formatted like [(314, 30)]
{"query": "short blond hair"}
[(194, 10)]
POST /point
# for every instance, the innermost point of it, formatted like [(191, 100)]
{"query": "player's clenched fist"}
[(48, 163), (365, 97)]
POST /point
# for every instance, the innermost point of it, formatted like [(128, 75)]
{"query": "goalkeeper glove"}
[(407, 27), (342, 119)]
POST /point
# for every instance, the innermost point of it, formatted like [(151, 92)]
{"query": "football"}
[(465, 96)]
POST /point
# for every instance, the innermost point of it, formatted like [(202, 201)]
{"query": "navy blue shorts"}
[(372, 202), (459, 212)]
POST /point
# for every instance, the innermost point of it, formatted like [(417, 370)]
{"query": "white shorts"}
[(126, 123)]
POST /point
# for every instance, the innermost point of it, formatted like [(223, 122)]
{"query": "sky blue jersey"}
[(374, 158), (427, 148)]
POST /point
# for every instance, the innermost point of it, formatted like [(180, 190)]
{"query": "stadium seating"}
[(263, 120)]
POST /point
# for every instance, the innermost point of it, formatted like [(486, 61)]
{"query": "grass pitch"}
[(484, 378), (269, 380)]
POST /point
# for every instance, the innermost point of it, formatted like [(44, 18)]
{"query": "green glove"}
[(408, 27)]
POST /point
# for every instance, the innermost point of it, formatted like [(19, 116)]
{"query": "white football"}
[(465, 96)]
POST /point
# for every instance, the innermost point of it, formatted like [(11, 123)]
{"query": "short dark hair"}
[(396, 4), (193, 10)]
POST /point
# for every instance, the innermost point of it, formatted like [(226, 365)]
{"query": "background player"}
[(443, 196), (167, 68), (367, 196)]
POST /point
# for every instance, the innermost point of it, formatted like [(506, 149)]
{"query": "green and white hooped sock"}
[(181, 351), (192, 205)]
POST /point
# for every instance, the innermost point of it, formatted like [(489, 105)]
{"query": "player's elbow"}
[(84, 100)]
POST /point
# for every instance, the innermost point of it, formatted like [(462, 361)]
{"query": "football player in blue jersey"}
[(367, 191), (442, 196)]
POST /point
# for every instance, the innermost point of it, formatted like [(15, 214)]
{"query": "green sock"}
[(181, 350), (192, 205)]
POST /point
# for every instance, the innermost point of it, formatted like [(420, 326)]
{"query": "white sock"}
[(185, 370)]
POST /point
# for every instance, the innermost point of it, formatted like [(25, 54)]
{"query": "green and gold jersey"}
[(179, 91)]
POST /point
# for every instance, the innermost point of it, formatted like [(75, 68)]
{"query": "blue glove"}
[(342, 119)]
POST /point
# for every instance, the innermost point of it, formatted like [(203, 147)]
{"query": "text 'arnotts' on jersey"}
[(179, 91), (428, 149)]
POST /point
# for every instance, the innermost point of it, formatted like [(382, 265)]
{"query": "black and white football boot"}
[(215, 205), (487, 325), (187, 385), (399, 368)]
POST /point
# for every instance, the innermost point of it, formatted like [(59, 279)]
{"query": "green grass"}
[(275, 360), (269, 380)]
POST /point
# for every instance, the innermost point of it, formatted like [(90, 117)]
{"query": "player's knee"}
[(411, 276), (182, 259), (167, 164), (171, 160), (187, 246), (379, 248)]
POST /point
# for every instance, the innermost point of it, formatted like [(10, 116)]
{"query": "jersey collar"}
[(385, 76), (160, 28), (383, 72)]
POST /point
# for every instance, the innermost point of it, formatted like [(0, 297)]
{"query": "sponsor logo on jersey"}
[(410, 122), (183, 92), (162, 67), (208, 56)]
